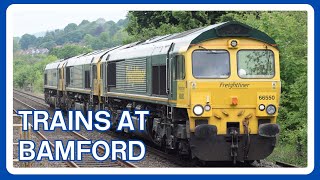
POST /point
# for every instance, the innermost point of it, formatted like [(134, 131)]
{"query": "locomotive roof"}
[(58, 63), (85, 58), (182, 41), (54, 65)]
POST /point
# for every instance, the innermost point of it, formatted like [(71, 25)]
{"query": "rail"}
[(283, 164)]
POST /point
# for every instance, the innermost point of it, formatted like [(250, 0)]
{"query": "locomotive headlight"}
[(262, 107), (271, 109), (207, 107), (198, 110), (234, 43)]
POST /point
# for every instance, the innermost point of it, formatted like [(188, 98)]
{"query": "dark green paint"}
[(252, 33)]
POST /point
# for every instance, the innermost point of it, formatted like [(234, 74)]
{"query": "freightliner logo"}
[(234, 85)]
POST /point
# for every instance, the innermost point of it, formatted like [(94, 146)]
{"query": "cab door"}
[(179, 84), (94, 81), (169, 58)]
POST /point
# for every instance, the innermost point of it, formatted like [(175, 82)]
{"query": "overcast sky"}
[(31, 21)]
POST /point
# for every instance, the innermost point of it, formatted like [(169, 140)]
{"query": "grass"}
[(288, 153)]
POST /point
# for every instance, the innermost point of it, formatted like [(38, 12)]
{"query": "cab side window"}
[(45, 79), (179, 67)]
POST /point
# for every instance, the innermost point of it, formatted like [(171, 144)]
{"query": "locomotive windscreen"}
[(210, 64)]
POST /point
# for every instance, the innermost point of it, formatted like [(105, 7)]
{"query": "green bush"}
[(69, 50), (28, 70)]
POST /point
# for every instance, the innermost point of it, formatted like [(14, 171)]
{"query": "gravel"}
[(16, 136)]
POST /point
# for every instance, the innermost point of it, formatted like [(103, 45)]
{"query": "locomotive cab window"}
[(45, 79), (256, 64), (179, 67), (210, 63)]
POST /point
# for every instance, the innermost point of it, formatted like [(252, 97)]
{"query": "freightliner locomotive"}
[(212, 92)]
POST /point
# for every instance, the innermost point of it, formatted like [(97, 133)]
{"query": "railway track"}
[(283, 164), (88, 160), (29, 94), (31, 97)]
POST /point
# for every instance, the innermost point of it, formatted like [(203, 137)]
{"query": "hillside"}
[(98, 34)]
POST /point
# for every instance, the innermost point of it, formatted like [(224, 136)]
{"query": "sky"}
[(40, 20)]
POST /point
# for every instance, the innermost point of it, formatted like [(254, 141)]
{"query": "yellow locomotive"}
[(212, 92)]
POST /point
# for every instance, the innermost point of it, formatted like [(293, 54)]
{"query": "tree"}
[(73, 34), (49, 45), (146, 24), (122, 22), (120, 37), (28, 70), (69, 51), (16, 45), (105, 38), (84, 22), (27, 41), (99, 29), (70, 27), (111, 27)]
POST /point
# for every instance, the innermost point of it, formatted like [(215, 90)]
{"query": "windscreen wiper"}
[(210, 51)]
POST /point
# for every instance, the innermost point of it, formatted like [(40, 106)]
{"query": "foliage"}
[(293, 64), (16, 45), (146, 24), (27, 41), (70, 27), (28, 70), (68, 51), (98, 34)]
